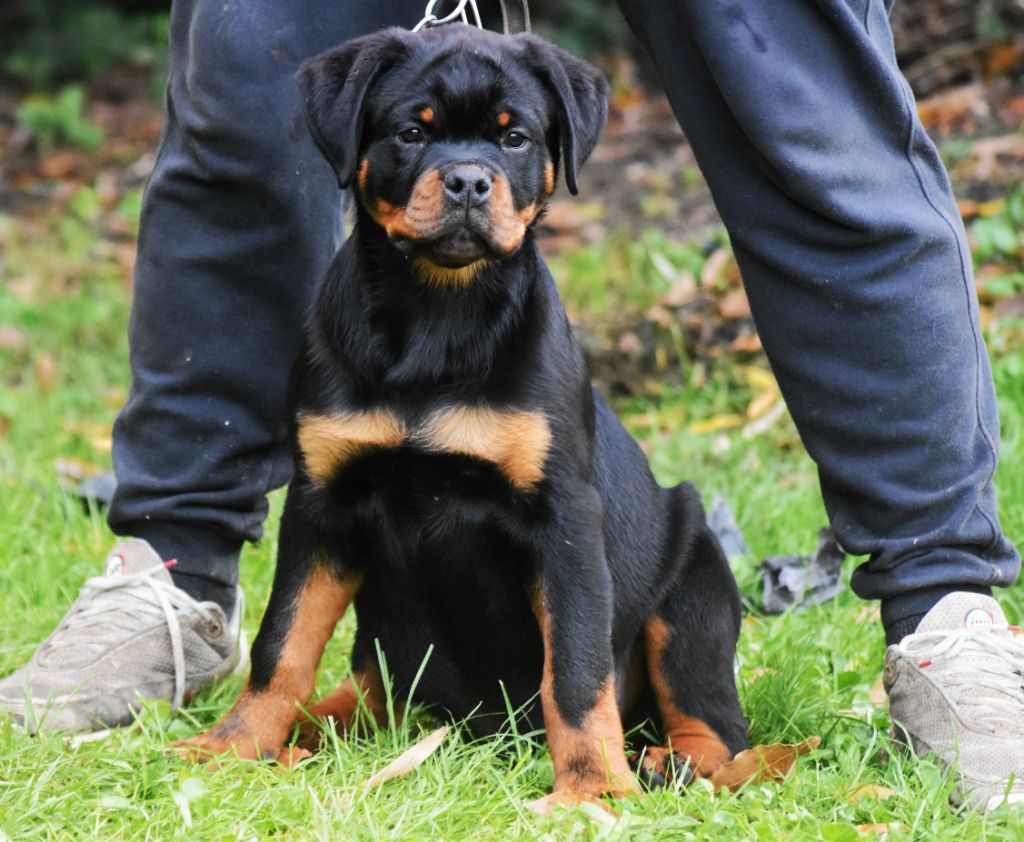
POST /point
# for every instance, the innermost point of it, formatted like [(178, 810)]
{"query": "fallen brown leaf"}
[(715, 268), (942, 112), (761, 763), (875, 792), (717, 423), (760, 379), (734, 305), (876, 828), (748, 343), (660, 316), (761, 404), (58, 165), (409, 759), (1003, 57), (683, 291), (968, 208)]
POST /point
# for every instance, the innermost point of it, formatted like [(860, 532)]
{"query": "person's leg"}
[(240, 218), (858, 274)]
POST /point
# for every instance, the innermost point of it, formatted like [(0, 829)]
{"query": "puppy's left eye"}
[(515, 140), (411, 135)]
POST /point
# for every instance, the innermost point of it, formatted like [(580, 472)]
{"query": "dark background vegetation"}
[(46, 42)]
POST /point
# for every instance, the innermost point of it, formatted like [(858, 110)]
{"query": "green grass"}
[(804, 673)]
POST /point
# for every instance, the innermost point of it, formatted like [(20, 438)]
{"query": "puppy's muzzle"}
[(467, 185)]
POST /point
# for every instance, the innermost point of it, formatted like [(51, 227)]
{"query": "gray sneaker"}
[(130, 635), (955, 691)]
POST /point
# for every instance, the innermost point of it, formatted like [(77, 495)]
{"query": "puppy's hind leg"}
[(362, 693), (690, 643)]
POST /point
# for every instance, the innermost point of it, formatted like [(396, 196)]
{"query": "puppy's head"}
[(452, 137)]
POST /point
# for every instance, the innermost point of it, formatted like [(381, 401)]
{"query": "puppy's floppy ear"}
[(580, 93), (335, 85)]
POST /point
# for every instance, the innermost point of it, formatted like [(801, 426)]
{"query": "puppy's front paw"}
[(248, 731), (660, 765), (215, 744)]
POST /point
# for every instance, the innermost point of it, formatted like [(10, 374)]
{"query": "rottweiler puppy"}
[(457, 479)]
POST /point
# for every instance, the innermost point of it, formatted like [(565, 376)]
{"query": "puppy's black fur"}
[(456, 476)]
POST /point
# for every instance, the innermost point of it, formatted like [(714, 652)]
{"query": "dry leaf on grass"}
[(761, 403), (717, 423), (409, 759), (716, 268), (875, 792), (734, 305), (761, 763), (747, 343), (875, 828)]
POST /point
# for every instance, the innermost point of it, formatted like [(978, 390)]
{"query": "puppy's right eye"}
[(411, 135)]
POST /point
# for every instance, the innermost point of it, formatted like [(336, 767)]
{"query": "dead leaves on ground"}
[(761, 763), (756, 765), (409, 759)]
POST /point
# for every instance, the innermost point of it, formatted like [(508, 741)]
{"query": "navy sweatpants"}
[(839, 210)]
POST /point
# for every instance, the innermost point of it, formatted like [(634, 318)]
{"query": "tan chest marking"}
[(516, 441), (328, 441)]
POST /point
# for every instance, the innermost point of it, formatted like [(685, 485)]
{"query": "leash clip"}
[(515, 16), (458, 13)]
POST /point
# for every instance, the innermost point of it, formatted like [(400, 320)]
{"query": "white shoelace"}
[(122, 603), (974, 659)]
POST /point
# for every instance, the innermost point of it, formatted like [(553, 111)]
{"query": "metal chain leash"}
[(430, 19), (515, 16)]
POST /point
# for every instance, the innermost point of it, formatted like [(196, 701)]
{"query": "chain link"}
[(459, 12)]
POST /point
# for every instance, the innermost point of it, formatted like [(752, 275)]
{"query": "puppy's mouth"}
[(460, 248), (461, 239), (456, 218)]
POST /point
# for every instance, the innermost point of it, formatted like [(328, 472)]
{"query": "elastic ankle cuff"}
[(901, 614), (199, 552)]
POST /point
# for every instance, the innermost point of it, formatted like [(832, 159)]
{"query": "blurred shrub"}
[(59, 119), (47, 42), (584, 27)]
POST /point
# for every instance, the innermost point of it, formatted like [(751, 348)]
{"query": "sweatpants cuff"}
[(897, 610), (199, 552)]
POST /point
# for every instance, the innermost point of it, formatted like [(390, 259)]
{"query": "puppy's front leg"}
[(574, 608), (309, 596)]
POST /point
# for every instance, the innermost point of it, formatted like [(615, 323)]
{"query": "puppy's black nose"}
[(468, 185)]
